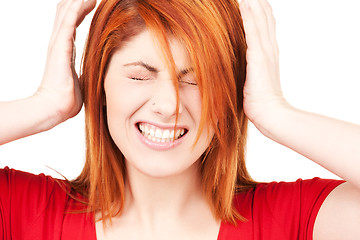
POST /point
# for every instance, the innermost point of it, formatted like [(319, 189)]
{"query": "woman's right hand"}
[(59, 89), (58, 98)]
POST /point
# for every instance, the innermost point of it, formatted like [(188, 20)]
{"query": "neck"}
[(154, 198), (167, 206)]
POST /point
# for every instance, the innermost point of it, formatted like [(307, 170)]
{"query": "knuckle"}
[(59, 5), (268, 8)]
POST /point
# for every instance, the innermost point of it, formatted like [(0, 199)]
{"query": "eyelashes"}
[(188, 79), (193, 83), (138, 79), (187, 82)]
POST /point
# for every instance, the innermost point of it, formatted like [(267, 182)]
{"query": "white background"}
[(319, 43)]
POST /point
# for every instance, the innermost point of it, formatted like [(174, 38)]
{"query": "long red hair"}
[(213, 34)]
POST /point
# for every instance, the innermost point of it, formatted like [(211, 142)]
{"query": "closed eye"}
[(188, 77), (188, 82), (138, 78)]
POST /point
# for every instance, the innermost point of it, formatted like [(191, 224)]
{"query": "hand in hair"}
[(58, 98), (262, 91), (60, 86)]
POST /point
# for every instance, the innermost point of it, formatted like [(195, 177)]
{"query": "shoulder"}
[(39, 205), (31, 194), (23, 186), (280, 210), (280, 192)]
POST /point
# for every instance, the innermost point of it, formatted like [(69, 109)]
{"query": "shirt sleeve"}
[(290, 208), (279, 210), (24, 198)]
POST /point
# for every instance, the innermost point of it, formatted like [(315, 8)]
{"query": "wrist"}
[(273, 118), (47, 115), (25, 117)]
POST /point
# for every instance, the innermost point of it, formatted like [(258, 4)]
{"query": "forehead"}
[(146, 47)]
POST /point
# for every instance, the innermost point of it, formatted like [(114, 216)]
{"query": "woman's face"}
[(141, 108)]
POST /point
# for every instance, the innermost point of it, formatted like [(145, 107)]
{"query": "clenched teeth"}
[(156, 134)]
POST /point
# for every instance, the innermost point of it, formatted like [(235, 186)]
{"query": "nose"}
[(163, 101)]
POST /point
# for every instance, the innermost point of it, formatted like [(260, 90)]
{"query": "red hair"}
[(213, 34)]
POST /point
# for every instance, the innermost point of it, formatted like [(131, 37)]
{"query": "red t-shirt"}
[(36, 207)]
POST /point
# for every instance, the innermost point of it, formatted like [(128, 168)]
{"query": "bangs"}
[(198, 26)]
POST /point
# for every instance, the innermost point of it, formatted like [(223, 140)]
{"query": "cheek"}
[(118, 108), (122, 100), (193, 102), (191, 99)]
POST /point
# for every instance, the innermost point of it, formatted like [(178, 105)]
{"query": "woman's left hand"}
[(262, 91)]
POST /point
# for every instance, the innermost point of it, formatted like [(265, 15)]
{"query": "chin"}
[(158, 169)]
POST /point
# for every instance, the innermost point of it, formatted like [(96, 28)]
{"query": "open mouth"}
[(160, 135)]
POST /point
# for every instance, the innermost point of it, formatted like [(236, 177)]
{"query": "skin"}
[(317, 137), (136, 94), (58, 97), (163, 186), (314, 136)]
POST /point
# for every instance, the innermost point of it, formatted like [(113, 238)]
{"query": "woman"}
[(165, 95)]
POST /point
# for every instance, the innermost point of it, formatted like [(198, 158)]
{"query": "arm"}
[(58, 97), (332, 143), (25, 117)]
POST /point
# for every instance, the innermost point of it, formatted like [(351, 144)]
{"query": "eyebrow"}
[(142, 64), (155, 70)]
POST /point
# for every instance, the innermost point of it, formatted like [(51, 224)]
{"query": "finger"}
[(271, 24), (86, 8), (251, 33), (273, 45), (68, 25), (61, 9), (64, 38), (261, 16)]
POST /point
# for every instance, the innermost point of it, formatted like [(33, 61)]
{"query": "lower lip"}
[(159, 146)]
